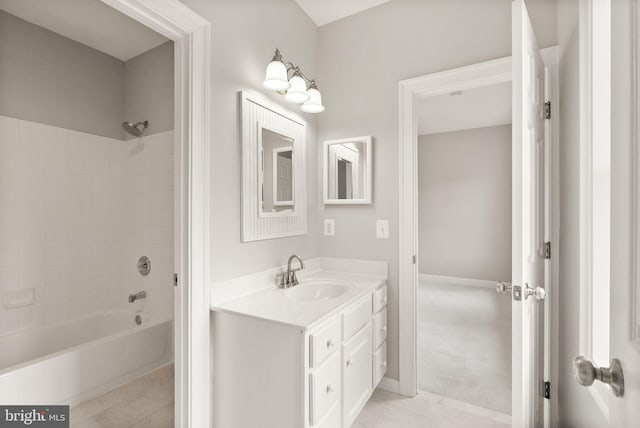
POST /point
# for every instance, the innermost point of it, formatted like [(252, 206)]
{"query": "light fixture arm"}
[(286, 78), (296, 70)]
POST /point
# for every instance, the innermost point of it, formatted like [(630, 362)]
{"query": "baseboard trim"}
[(389, 385), (471, 282)]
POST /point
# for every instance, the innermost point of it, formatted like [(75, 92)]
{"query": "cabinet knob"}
[(383, 364), (330, 343), (384, 328), (350, 362), (329, 389)]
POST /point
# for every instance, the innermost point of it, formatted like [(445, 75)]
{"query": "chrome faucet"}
[(289, 277), (138, 295)]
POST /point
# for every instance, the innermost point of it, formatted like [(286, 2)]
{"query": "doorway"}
[(464, 241), (541, 227)]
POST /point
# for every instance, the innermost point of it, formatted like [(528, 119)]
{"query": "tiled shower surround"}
[(76, 212)]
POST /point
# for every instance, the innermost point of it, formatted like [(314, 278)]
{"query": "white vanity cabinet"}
[(269, 374)]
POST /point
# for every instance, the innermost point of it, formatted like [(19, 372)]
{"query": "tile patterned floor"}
[(387, 410), (147, 402)]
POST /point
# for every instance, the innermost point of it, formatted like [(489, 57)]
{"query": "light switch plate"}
[(382, 229), (329, 227)]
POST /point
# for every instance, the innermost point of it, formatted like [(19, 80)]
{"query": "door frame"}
[(463, 78), (191, 35)]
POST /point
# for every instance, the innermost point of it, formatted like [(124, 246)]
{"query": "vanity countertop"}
[(274, 304)]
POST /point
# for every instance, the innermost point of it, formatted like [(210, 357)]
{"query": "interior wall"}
[(464, 203), (244, 37), (576, 407), (149, 89), (53, 80), (359, 70)]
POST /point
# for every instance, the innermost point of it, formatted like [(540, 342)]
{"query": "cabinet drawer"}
[(333, 418), (355, 317), (324, 388), (379, 328), (323, 341), (379, 364), (357, 374), (379, 299)]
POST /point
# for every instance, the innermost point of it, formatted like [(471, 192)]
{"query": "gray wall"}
[(245, 35), (361, 59), (50, 79), (464, 196), (576, 406), (148, 89)]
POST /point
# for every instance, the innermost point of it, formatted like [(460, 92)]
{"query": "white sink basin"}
[(318, 290)]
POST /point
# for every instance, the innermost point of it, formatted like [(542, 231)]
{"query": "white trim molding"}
[(468, 282), (595, 176), (191, 35)]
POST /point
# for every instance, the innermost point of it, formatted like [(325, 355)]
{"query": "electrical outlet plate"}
[(382, 229), (329, 227)]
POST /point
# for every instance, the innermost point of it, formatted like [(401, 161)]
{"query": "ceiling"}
[(474, 108), (89, 22), (326, 11)]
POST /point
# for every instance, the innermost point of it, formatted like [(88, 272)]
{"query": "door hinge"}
[(547, 110), (547, 250), (547, 390), (175, 279), (415, 259)]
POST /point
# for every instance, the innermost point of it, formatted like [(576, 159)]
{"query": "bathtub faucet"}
[(138, 295)]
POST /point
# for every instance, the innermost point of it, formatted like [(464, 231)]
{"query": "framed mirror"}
[(273, 180), (347, 171)]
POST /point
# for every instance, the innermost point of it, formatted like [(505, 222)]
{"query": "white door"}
[(625, 198), (528, 261)]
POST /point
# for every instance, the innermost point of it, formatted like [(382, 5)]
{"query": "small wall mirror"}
[(273, 173), (347, 171)]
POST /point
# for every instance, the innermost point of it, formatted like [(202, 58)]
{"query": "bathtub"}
[(75, 361)]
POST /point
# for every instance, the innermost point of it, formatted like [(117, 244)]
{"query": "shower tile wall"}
[(68, 227), (148, 228)]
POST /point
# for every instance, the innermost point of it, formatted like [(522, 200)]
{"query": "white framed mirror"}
[(273, 168), (347, 171)]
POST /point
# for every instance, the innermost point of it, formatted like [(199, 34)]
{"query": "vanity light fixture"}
[(294, 88)]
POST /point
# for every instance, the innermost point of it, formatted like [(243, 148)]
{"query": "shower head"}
[(134, 128)]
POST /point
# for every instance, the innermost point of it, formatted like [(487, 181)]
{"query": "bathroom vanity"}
[(308, 356)]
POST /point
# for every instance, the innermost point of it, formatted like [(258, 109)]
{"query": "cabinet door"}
[(356, 374)]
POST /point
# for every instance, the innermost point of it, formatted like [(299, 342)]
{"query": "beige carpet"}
[(464, 344)]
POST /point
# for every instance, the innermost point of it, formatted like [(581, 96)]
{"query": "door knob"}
[(539, 293), (586, 373), (503, 287)]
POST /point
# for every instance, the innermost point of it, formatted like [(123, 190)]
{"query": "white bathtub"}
[(75, 361)]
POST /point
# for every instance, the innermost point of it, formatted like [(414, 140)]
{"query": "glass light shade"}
[(297, 93), (276, 77), (314, 105)]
